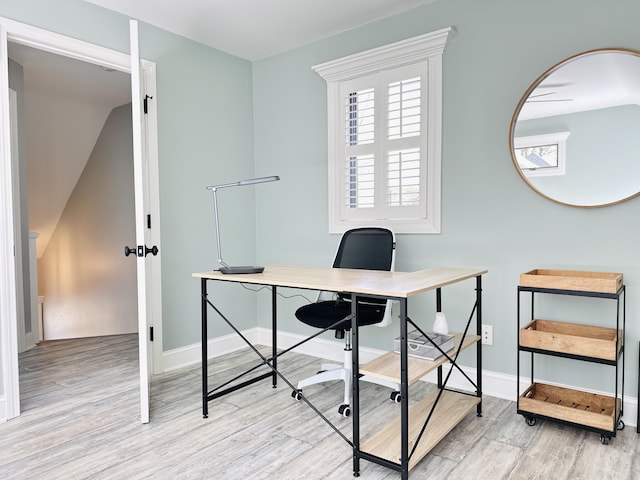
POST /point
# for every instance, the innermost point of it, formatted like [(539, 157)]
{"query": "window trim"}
[(426, 48)]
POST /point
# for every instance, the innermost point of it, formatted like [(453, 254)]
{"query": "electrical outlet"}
[(487, 334)]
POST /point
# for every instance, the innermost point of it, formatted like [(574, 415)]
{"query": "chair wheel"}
[(344, 410), (296, 394), (395, 397)]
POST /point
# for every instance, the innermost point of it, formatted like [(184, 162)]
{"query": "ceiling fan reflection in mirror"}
[(535, 98), (536, 95)]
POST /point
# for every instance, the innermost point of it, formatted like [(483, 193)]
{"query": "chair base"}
[(331, 372)]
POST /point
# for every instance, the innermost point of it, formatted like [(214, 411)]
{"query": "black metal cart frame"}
[(617, 363)]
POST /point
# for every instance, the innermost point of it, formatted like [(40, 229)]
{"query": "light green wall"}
[(214, 110), (490, 218), (205, 130)]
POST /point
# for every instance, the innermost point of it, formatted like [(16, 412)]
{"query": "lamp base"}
[(242, 269)]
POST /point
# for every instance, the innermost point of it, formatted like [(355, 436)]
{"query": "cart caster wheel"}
[(604, 439), (296, 395), (531, 421), (395, 397), (345, 411), (620, 425)]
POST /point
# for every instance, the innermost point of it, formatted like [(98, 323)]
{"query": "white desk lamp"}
[(214, 188)]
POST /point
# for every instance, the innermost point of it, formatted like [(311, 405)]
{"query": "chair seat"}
[(326, 313)]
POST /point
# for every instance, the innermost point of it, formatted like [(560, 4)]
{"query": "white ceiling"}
[(256, 29)]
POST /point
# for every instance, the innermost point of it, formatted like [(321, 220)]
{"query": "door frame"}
[(17, 232), (16, 32)]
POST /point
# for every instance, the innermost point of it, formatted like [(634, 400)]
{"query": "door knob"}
[(141, 251)]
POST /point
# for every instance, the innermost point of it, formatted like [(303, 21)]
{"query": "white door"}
[(143, 234)]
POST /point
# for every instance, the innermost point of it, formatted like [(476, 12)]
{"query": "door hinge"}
[(149, 221), (151, 334), (146, 103)]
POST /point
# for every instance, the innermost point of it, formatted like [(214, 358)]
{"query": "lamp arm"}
[(217, 222), (250, 181)]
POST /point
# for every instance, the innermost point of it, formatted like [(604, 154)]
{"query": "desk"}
[(399, 286)]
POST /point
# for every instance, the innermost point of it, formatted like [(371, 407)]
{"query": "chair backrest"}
[(368, 248)]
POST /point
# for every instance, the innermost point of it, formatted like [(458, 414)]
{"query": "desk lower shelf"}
[(387, 366), (451, 409)]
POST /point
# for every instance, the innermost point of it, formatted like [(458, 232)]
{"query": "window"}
[(384, 118), (541, 155)]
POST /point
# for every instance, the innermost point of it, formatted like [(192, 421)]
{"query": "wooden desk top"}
[(373, 282)]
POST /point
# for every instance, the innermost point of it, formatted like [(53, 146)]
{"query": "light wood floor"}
[(80, 421)]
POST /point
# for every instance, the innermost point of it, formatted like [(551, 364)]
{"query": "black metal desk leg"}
[(439, 309), (205, 387), (479, 345), (274, 336), (355, 385), (404, 392)]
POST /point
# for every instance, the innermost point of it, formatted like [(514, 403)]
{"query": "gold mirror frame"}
[(526, 97)]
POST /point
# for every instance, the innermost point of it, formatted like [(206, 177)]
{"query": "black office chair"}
[(368, 248)]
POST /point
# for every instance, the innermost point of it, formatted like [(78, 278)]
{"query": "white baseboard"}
[(494, 384), (3, 408), (216, 347)]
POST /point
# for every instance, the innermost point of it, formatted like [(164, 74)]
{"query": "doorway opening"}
[(78, 168), (146, 194)]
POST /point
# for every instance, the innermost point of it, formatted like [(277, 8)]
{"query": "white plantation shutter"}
[(383, 166), (359, 174), (403, 178), (404, 108), (406, 166), (384, 112)]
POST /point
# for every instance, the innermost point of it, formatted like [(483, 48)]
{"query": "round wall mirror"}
[(575, 134)]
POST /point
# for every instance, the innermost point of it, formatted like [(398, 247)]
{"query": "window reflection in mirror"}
[(541, 155)]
